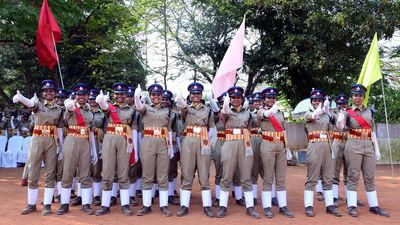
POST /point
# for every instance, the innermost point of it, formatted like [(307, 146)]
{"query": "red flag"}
[(44, 41)]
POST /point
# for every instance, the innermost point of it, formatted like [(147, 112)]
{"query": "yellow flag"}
[(371, 70)]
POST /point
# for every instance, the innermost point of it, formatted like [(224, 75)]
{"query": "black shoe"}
[(255, 201), (335, 202), (221, 212), (76, 201), (166, 211), (252, 213), (207, 210), (241, 202), (268, 213), (28, 209), (126, 210), (63, 209), (86, 208), (182, 211), (215, 203), (139, 193), (286, 212), (360, 203), (310, 211), (132, 201), (113, 201), (143, 211), (352, 211), (96, 201), (172, 200), (274, 201), (378, 211), (332, 210), (46, 210), (103, 211), (320, 196)]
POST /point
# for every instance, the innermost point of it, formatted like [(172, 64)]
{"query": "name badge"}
[(323, 135), (197, 130), (237, 131), (119, 129), (157, 132)]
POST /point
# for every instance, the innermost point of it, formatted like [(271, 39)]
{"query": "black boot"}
[(286, 212), (86, 208), (216, 202), (46, 210), (221, 212), (132, 201), (143, 211), (352, 211), (166, 211), (268, 213), (76, 201), (126, 210), (274, 201), (207, 210), (172, 200), (310, 211), (252, 213), (28, 209), (113, 201), (63, 209), (255, 201), (241, 202), (332, 210), (103, 211), (378, 211), (182, 211), (96, 201)]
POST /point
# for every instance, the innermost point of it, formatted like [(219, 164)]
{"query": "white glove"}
[(171, 152), (317, 112), (225, 105), (138, 103), (213, 103), (35, 98), (245, 104), (107, 97), (181, 101), (20, 98), (288, 154), (376, 146), (70, 104), (341, 121), (12, 122), (275, 107), (59, 157), (101, 100), (93, 145), (212, 136)]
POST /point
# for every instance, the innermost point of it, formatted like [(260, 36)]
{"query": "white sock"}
[(185, 198), (248, 197), (238, 192), (266, 199), (32, 196), (114, 189), (206, 198), (281, 198), (308, 198), (255, 190)]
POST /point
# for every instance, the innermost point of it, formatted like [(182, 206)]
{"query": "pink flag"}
[(233, 59)]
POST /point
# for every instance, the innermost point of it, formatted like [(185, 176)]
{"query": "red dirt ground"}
[(13, 199)]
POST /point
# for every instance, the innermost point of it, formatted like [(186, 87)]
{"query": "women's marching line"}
[(133, 145)]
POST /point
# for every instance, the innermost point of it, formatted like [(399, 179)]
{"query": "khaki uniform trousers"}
[(97, 168), (216, 157), (173, 168), (273, 156), (319, 162), (115, 161), (360, 156), (339, 161), (154, 160), (42, 148), (257, 169), (192, 160), (233, 155), (76, 154)]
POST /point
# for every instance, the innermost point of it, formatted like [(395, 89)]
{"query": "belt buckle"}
[(364, 134), (277, 139), (83, 131), (45, 132), (157, 132), (237, 131), (119, 129), (323, 135), (196, 130)]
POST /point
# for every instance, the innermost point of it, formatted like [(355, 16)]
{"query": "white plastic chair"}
[(23, 154), (3, 143), (9, 157)]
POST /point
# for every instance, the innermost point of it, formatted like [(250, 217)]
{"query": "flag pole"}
[(387, 129), (58, 61)]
